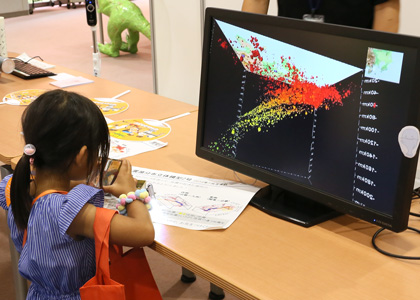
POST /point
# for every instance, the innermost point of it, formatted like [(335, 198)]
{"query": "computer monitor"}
[(326, 115)]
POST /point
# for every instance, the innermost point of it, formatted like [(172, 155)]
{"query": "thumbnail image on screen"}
[(324, 114)]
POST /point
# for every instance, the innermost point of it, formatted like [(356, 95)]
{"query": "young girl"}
[(51, 222)]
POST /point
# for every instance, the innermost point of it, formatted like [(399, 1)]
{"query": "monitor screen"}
[(326, 115)]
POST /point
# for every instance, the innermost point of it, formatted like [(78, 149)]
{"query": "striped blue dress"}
[(56, 264)]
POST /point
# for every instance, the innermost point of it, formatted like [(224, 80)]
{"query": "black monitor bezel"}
[(399, 219)]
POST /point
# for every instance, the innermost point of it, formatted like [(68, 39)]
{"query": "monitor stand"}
[(291, 207)]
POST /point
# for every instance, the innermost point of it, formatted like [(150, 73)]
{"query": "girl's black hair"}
[(58, 123)]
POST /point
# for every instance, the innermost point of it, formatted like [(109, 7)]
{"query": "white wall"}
[(176, 41), (409, 17)]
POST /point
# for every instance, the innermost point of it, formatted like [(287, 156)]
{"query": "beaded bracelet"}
[(123, 200)]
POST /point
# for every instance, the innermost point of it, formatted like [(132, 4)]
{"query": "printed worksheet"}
[(194, 202)]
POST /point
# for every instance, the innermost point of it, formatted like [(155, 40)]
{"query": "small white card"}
[(71, 82), (61, 76)]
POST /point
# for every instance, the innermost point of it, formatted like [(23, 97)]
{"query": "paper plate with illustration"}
[(110, 106), (139, 129), (22, 97)]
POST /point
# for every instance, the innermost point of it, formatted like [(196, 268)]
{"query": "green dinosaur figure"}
[(123, 14)]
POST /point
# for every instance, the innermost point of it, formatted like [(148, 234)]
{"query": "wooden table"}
[(142, 105), (259, 256)]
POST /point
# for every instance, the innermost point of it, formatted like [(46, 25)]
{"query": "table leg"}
[(216, 293), (5, 170), (187, 276)]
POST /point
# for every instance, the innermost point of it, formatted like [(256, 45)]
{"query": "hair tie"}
[(29, 149)]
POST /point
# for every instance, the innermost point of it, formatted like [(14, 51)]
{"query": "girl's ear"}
[(81, 157)]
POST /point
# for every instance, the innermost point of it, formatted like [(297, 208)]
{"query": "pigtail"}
[(20, 197)]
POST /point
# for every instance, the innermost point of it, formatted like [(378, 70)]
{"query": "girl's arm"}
[(134, 230), (256, 6), (387, 16)]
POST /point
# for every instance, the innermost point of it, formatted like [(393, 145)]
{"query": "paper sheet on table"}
[(121, 148), (71, 81), (194, 202)]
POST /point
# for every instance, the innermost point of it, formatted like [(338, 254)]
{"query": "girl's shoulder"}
[(73, 202), (67, 205), (83, 194)]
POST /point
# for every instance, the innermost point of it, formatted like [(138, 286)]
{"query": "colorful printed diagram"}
[(177, 203), (22, 97), (110, 106), (139, 129), (173, 201), (215, 209), (384, 65)]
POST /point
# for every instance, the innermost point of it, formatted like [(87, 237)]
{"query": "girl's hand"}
[(124, 182)]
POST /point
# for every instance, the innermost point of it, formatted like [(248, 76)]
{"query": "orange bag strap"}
[(9, 184), (101, 228), (101, 286), (7, 191)]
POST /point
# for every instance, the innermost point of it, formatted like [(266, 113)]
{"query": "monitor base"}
[(291, 207)]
